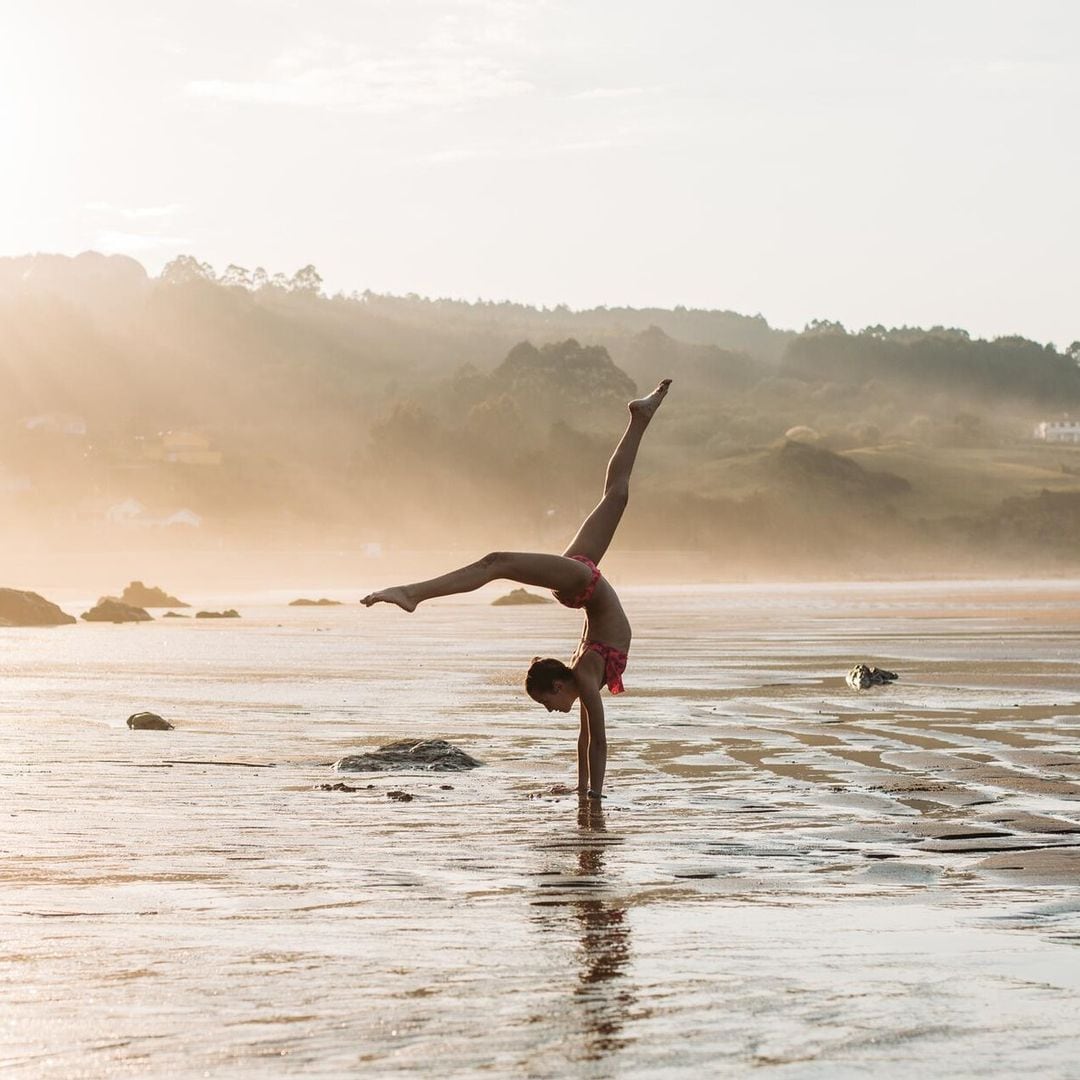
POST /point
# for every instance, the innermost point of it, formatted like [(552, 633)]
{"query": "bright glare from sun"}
[(24, 98)]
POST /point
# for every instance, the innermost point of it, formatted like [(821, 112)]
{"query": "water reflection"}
[(603, 995)]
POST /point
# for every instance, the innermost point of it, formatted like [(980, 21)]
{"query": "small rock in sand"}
[(231, 613), (109, 609), (399, 796), (520, 596), (323, 602), (336, 787), (862, 676), (148, 721), (427, 755)]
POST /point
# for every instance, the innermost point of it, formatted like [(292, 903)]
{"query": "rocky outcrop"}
[(797, 464), (147, 596), (406, 755), (148, 721), (304, 602), (231, 613), (862, 677), (520, 596), (18, 608), (109, 609), (174, 615)]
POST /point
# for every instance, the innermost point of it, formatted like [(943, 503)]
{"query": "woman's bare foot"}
[(646, 406), (398, 595)]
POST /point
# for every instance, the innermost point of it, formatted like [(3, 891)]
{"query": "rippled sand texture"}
[(788, 876)]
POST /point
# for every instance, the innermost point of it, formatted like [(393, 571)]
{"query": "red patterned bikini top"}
[(585, 595)]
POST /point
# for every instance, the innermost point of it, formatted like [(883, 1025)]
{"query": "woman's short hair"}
[(543, 674)]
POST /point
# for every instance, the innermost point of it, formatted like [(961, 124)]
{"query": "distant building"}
[(55, 423), (182, 448), (131, 512), (13, 483), (128, 512), (182, 517), (1058, 431)]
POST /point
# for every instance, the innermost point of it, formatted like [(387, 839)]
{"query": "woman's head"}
[(551, 683)]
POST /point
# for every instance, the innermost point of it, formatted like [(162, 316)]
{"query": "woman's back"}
[(605, 619)]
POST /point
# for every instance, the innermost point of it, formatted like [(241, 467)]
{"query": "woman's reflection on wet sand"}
[(603, 994)]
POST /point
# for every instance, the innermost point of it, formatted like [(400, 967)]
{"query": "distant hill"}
[(249, 404), (90, 280), (945, 359), (724, 329)]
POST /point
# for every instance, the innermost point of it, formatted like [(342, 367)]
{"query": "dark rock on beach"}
[(19, 608), (147, 596), (862, 677), (174, 615), (148, 721), (400, 796), (520, 596), (323, 602), (109, 609), (231, 613), (428, 755)]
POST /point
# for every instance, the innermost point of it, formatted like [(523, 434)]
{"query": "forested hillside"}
[(264, 407)]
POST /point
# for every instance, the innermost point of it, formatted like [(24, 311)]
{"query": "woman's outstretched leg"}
[(529, 568), (599, 527)]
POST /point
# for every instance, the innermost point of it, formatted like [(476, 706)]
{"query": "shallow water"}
[(787, 876)]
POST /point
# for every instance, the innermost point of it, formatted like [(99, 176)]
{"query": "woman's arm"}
[(583, 754), (593, 729)]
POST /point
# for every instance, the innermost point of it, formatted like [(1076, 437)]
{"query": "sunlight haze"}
[(904, 164), (341, 341)]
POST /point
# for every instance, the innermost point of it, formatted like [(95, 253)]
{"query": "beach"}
[(786, 876)]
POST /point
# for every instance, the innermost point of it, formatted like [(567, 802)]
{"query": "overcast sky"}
[(893, 161)]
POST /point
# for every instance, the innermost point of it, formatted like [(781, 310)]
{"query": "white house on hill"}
[(1058, 431)]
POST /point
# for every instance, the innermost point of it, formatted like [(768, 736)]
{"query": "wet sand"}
[(786, 876)]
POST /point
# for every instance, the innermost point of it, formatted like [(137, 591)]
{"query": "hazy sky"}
[(863, 160)]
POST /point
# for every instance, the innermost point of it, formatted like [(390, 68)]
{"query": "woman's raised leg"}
[(529, 568), (599, 527)]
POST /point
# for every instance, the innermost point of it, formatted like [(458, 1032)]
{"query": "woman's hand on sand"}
[(564, 789)]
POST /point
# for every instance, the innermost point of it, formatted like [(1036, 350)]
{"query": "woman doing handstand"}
[(575, 581)]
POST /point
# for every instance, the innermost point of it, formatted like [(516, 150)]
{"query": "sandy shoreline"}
[(786, 875)]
